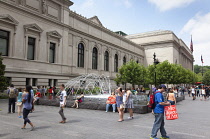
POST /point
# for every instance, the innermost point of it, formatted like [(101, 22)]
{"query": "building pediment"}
[(96, 20), (54, 34), (8, 19), (33, 27)]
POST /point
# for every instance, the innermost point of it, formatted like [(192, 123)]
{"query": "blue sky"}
[(183, 17)]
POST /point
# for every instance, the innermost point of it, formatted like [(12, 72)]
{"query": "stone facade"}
[(43, 41), (166, 45)]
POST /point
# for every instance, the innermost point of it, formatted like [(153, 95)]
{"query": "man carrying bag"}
[(159, 114)]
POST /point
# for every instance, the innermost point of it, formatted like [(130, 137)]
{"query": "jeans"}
[(25, 116), (62, 114), (11, 103), (172, 102), (113, 106), (158, 125)]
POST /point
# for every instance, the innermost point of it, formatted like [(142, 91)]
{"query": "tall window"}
[(31, 48), (50, 82), (34, 82), (4, 42), (116, 63), (95, 58), (28, 81), (52, 53), (80, 55), (106, 61), (137, 62), (55, 82), (124, 60)]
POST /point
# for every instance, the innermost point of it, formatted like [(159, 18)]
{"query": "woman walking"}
[(27, 106), (19, 102), (129, 103), (120, 105)]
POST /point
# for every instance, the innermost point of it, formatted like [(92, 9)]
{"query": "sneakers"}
[(166, 137), (153, 138), (19, 116), (130, 118), (106, 111)]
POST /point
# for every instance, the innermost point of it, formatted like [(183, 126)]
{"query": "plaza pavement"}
[(193, 122)]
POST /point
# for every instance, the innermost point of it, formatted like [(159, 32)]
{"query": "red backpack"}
[(152, 100)]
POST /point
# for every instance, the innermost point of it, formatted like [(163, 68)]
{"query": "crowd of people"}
[(119, 100), (202, 91)]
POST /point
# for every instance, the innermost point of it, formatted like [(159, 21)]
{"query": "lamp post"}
[(155, 63)]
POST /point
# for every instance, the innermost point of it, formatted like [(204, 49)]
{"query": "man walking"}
[(63, 96), (159, 114), (12, 92)]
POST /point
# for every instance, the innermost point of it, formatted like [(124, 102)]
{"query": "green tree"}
[(206, 78), (132, 73), (3, 80)]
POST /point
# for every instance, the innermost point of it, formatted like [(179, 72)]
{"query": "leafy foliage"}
[(166, 73), (3, 79), (206, 78), (132, 73)]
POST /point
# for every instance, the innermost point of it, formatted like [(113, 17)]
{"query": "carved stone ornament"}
[(44, 7)]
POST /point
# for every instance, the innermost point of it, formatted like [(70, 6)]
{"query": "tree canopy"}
[(3, 79), (166, 73)]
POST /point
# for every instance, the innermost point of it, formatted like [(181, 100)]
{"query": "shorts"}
[(203, 95), (193, 95)]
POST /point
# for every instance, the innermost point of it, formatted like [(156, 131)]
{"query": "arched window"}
[(80, 59), (124, 60), (137, 62), (95, 58), (106, 61), (116, 63)]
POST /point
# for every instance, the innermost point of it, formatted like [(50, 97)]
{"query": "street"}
[(193, 123)]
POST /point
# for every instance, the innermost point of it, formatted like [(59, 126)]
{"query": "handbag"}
[(19, 103), (171, 112), (122, 106)]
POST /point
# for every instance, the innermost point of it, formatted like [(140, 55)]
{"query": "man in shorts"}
[(62, 97)]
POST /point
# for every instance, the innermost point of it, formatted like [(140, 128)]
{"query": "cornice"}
[(86, 20), (44, 17), (149, 34), (103, 41)]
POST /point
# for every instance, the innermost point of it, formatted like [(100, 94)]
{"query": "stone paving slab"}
[(193, 122)]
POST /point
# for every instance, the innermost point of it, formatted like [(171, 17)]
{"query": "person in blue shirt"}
[(159, 114)]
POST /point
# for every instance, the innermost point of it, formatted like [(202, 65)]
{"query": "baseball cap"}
[(162, 86)]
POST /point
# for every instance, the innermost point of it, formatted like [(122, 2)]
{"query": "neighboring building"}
[(44, 43), (166, 45)]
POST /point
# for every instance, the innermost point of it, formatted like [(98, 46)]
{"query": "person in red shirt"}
[(50, 91), (111, 101), (37, 97)]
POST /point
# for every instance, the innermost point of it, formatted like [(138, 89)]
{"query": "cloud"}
[(165, 5), (88, 4), (199, 28), (127, 3)]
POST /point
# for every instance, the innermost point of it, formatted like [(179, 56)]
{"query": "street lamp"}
[(155, 63)]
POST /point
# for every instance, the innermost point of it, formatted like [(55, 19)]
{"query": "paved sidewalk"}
[(193, 122)]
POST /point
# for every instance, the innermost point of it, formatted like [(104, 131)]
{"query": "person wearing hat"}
[(159, 114)]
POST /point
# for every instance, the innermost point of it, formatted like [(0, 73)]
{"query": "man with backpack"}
[(12, 92), (158, 107)]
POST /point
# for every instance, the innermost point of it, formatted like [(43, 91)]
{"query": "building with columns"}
[(44, 43), (166, 45)]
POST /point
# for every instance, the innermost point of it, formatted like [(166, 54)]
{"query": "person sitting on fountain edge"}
[(111, 101), (79, 99)]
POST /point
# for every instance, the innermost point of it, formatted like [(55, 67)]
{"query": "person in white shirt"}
[(203, 93), (193, 92), (62, 97)]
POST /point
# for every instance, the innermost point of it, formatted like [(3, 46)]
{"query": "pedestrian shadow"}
[(3, 135), (42, 127), (73, 121)]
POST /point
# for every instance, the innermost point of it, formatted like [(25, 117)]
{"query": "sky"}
[(183, 17)]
